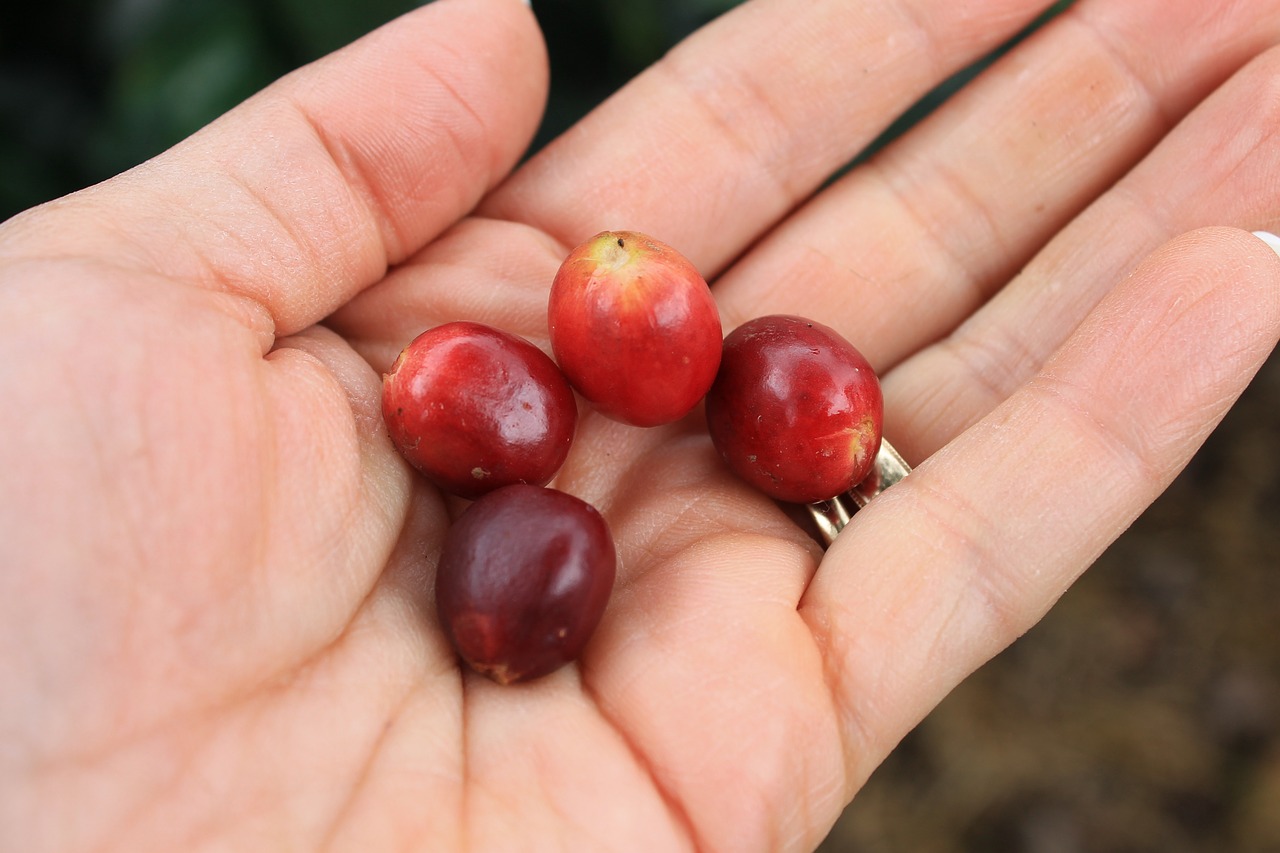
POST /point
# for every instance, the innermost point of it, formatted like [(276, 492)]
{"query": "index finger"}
[(747, 117), (944, 570)]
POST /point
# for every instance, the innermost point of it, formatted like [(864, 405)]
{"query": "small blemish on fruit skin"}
[(479, 473)]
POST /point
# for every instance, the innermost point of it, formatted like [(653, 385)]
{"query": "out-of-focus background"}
[(1143, 714)]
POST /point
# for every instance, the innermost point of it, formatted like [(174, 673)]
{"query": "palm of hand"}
[(228, 637), (263, 567)]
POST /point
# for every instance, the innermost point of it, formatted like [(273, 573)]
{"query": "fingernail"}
[(1270, 239)]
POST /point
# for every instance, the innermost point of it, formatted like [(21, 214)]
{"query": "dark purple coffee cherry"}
[(523, 580)]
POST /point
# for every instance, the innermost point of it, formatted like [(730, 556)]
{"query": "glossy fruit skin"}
[(796, 410), (475, 408), (523, 580), (635, 328)]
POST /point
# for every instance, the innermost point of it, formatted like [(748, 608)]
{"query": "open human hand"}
[(216, 627)]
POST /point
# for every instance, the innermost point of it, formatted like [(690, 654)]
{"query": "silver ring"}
[(832, 515)]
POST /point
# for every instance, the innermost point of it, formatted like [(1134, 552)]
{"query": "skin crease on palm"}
[(216, 625)]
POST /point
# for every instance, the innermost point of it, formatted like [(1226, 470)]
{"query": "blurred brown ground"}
[(1143, 713)]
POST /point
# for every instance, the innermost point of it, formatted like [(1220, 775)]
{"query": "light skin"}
[(216, 618)]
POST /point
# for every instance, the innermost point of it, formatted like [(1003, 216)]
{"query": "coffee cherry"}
[(795, 410), (475, 408), (634, 327), (523, 580)]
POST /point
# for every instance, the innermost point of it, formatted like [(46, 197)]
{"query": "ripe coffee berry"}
[(475, 408), (634, 327), (796, 411)]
